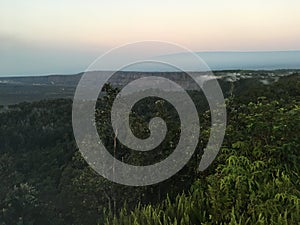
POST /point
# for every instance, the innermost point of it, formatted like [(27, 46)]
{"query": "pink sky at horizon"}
[(199, 25), (30, 28)]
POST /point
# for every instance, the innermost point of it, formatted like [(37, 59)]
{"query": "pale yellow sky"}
[(200, 25), (39, 30)]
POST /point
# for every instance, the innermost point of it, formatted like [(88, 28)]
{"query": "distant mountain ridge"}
[(235, 60), (14, 90), (223, 60)]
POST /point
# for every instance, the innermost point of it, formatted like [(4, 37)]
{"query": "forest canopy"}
[(254, 179)]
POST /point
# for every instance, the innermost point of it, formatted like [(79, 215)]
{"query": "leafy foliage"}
[(254, 180)]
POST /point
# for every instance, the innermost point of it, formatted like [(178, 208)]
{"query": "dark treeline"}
[(254, 179)]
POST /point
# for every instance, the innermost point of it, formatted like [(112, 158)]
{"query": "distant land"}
[(251, 60), (14, 90), (227, 60)]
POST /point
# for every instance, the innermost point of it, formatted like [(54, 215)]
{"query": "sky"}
[(65, 36)]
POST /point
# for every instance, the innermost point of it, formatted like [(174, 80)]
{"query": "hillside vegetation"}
[(255, 179)]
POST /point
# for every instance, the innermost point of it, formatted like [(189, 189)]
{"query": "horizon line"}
[(135, 71)]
